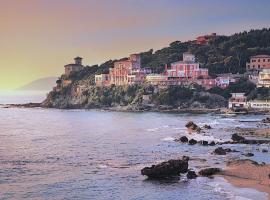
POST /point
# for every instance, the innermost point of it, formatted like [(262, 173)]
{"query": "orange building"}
[(204, 39), (258, 63)]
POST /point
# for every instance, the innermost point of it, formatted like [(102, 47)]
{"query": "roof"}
[(73, 65), (78, 57), (261, 56)]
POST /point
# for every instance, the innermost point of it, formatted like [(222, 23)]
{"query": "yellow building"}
[(264, 78)]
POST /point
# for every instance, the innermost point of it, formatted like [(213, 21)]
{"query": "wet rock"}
[(220, 151), (212, 143), (184, 139), (204, 143), (264, 150), (209, 171), (167, 169), (266, 120), (191, 175), (193, 127), (249, 154), (237, 138), (192, 142), (207, 126)]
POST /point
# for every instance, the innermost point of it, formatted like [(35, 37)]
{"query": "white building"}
[(238, 100), (259, 104), (264, 78)]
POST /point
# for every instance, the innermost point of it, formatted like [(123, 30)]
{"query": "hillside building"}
[(264, 78), (238, 100), (204, 39), (258, 63), (74, 67)]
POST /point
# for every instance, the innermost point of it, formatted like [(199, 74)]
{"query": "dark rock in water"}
[(209, 171), (220, 151), (207, 126), (191, 175), (193, 127), (266, 120), (204, 143), (212, 143), (237, 138), (192, 142), (167, 169), (264, 150), (184, 139), (249, 154)]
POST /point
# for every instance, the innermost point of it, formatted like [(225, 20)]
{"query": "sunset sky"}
[(38, 37)]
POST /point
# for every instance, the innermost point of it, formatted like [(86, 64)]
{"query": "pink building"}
[(187, 68), (204, 39), (258, 62)]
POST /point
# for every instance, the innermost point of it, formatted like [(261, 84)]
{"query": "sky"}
[(38, 37)]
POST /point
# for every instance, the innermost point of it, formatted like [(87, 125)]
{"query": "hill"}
[(43, 84)]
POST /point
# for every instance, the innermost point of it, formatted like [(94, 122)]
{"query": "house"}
[(125, 72), (188, 68), (258, 63), (204, 39), (259, 104), (238, 100), (74, 67), (264, 78)]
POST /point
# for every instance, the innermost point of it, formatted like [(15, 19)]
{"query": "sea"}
[(95, 154)]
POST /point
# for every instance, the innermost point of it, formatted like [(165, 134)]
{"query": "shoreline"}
[(256, 176)]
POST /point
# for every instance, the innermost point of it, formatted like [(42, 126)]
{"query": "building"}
[(204, 39), (264, 78), (259, 104), (188, 68), (74, 67), (258, 62), (125, 72), (238, 100)]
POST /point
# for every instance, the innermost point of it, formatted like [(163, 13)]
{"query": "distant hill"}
[(43, 84)]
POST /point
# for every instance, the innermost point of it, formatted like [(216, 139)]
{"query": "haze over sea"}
[(94, 154)]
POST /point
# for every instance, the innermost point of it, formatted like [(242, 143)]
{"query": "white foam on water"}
[(222, 186), (102, 166), (168, 139)]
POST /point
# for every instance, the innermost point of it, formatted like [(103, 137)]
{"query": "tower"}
[(78, 60)]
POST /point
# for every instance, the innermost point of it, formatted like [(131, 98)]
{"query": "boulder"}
[(207, 126), (220, 151), (193, 127), (264, 150), (184, 139), (237, 138), (212, 143), (266, 120), (249, 154), (204, 143), (192, 142), (209, 171), (191, 175), (167, 169)]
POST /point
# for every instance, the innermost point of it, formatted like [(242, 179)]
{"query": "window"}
[(263, 60), (259, 60)]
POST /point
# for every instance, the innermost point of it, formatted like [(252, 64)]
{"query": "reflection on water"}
[(55, 154)]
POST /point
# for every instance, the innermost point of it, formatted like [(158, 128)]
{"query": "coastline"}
[(254, 176)]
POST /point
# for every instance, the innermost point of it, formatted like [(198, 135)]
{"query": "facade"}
[(187, 68), (264, 78), (204, 39), (259, 104), (124, 73), (238, 100), (258, 62), (74, 67)]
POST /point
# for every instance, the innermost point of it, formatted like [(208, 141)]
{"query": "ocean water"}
[(92, 154)]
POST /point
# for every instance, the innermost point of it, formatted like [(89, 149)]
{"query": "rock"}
[(237, 138), (209, 171), (191, 175), (207, 126), (193, 127), (264, 150), (184, 139), (167, 169), (204, 143), (192, 142), (212, 143), (249, 154), (220, 151), (266, 120)]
